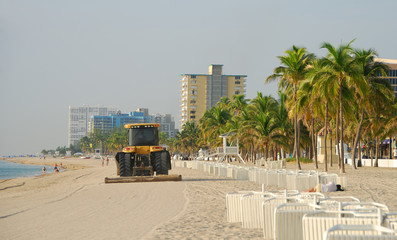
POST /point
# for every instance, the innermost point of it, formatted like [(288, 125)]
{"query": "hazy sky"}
[(130, 54)]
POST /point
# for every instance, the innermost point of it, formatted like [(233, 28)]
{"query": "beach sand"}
[(76, 204)]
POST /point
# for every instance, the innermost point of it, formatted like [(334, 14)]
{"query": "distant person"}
[(60, 166), (107, 161), (44, 169), (328, 187), (56, 168)]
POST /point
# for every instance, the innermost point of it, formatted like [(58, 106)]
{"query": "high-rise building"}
[(167, 124), (200, 92), (392, 74), (79, 118), (108, 123), (141, 115)]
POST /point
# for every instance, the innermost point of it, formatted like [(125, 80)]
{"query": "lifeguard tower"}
[(226, 151)]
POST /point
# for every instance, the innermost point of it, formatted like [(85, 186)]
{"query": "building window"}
[(193, 92), (194, 87), (237, 82), (193, 81), (237, 92), (237, 77), (192, 117), (193, 101), (192, 112), (193, 76)]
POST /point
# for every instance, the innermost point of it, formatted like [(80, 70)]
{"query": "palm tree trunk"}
[(314, 141), (330, 147), (357, 140), (337, 139), (376, 151), (266, 151), (315, 148), (297, 147), (298, 153), (325, 139), (390, 148), (359, 154), (297, 141), (341, 131)]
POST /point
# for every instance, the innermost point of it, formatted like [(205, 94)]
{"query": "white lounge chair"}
[(314, 224), (288, 217), (233, 206), (270, 206), (359, 232)]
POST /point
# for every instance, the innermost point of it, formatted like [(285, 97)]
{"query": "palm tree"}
[(213, 123), (238, 104), (86, 144), (308, 106), (324, 91), (262, 122), (188, 138), (293, 70), (284, 123), (343, 71), (369, 69), (117, 140), (381, 105)]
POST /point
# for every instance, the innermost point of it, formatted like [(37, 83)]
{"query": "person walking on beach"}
[(107, 161), (56, 168)]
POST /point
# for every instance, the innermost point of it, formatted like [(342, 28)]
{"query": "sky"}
[(130, 54)]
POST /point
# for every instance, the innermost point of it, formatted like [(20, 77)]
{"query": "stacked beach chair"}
[(293, 214), (275, 175), (310, 216)]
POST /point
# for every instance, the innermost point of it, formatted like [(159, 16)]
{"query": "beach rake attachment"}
[(135, 179)]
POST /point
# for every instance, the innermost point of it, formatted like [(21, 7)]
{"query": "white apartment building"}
[(79, 118), (167, 124)]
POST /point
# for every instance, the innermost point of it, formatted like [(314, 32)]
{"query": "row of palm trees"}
[(341, 95), (111, 142)]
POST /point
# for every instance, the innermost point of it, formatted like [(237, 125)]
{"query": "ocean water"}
[(13, 170)]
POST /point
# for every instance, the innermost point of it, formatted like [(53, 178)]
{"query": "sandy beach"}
[(77, 204)]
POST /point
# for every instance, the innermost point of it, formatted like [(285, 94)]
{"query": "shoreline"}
[(67, 163)]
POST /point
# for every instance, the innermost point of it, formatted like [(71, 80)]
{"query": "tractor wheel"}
[(161, 163), (125, 165), (168, 160)]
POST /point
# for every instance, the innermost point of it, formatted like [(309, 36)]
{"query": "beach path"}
[(79, 205)]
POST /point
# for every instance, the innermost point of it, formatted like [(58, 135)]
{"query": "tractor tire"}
[(125, 165), (160, 163), (168, 160)]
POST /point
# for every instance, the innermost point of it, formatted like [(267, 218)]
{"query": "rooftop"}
[(388, 61)]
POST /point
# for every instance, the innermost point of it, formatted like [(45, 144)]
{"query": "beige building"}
[(200, 92), (392, 74)]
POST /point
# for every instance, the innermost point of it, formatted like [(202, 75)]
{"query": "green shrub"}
[(301, 159)]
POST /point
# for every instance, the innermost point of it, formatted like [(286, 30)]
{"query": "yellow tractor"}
[(138, 161)]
